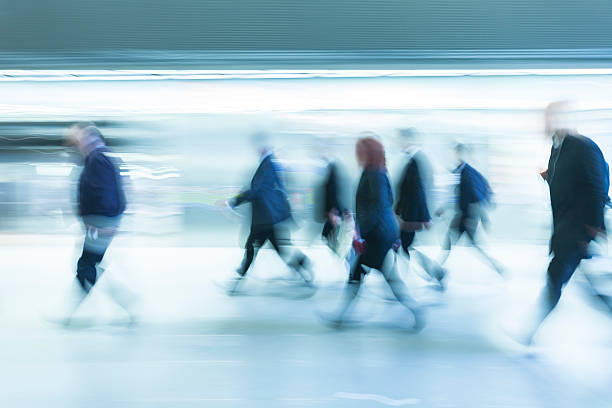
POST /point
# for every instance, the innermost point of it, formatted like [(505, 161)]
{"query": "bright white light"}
[(157, 75), (54, 169)]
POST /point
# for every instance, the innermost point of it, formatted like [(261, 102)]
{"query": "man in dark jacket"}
[(413, 197), (473, 196), (331, 209), (101, 203), (578, 179), (332, 201), (270, 212)]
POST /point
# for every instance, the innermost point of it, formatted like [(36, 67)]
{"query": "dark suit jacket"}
[(375, 219), (266, 194), (473, 188), (579, 181), (331, 193), (413, 190), (100, 186)]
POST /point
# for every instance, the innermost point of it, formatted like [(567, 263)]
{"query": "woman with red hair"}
[(377, 230)]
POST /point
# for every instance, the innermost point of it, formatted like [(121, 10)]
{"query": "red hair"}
[(372, 152)]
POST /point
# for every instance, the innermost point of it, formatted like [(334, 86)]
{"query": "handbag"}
[(341, 238)]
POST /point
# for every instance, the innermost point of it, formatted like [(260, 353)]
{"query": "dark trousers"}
[(86, 268), (279, 238), (560, 270), (328, 229), (99, 232), (407, 238)]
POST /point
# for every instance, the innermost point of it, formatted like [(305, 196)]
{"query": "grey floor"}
[(196, 347)]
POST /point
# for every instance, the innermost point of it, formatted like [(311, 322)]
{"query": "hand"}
[(544, 174), (334, 218), (359, 245), (593, 232), (226, 207), (439, 212), (397, 245)]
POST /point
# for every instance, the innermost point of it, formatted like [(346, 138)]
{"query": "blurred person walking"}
[(412, 201), (332, 210), (472, 198), (271, 213), (578, 180), (101, 203), (377, 232)]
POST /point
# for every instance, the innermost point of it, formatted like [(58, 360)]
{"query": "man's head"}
[(322, 147), (85, 136), (557, 119), (407, 137), (461, 151), (262, 142)]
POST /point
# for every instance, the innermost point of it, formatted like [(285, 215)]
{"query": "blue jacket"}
[(375, 219), (473, 188), (578, 177), (267, 195), (100, 187), (374, 205)]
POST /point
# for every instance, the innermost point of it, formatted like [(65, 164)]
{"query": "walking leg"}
[(254, 242), (298, 261), (494, 264), (351, 291), (399, 289), (560, 270)]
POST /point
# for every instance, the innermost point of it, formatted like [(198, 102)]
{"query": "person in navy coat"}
[(578, 179), (377, 233), (101, 200), (473, 197), (101, 204), (270, 213), (332, 209), (332, 205), (413, 194)]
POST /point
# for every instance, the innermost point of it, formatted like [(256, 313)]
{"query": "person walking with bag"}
[(377, 235)]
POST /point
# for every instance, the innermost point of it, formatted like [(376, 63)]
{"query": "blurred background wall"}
[(186, 32), (304, 25)]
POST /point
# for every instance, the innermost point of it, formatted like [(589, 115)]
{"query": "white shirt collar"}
[(557, 141), (411, 151)]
